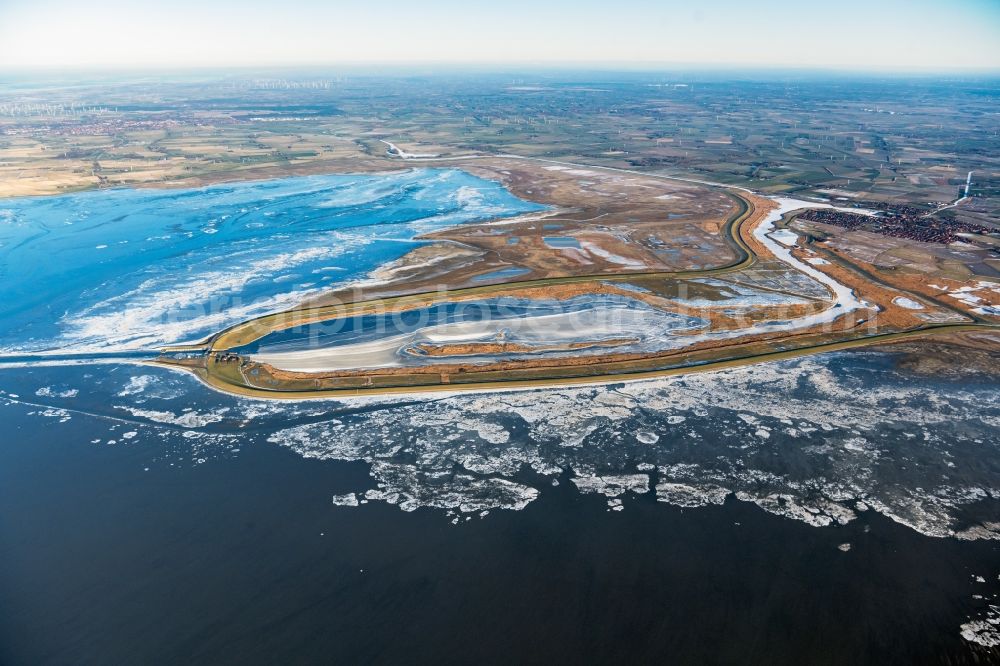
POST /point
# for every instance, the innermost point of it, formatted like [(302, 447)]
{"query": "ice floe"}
[(613, 485), (689, 495), (49, 392), (846, 433), (984, 630), (191, 419), (350, 499), (845, 454)]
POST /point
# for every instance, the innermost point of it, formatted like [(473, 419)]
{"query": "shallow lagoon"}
[(561, 242), (536, 326)]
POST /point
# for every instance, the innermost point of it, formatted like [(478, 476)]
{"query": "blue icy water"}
[(130, 269)]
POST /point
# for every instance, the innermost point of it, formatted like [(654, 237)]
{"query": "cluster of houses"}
[(898, 222)]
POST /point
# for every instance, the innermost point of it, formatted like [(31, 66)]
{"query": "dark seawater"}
[(209, 535)]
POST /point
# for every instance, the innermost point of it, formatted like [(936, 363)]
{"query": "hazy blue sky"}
[(848, 33)]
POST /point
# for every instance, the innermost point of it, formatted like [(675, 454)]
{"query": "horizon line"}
[(505, 67)]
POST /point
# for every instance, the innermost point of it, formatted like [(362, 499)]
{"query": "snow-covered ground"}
[(786, 237), (399, 152), (983, 297), (908, 303), (844, 298)]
